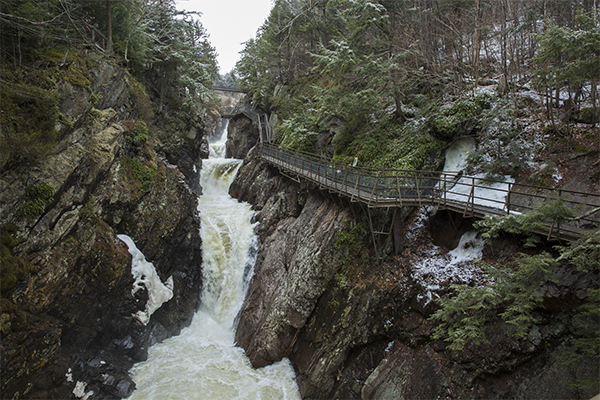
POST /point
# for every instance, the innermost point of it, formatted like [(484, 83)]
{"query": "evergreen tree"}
[(568, 58)]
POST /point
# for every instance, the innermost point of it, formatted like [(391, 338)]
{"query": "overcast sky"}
[(229, 23)]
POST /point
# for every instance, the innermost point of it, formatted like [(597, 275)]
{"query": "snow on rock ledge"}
[(434, 269), (145, 274)]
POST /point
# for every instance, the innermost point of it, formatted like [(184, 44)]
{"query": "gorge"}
[(150, 248)]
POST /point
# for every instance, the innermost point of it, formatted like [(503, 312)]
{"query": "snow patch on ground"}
[(435, 269), (473, 188), (79, 391), (145, 276)]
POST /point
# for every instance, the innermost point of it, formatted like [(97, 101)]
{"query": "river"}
[(203, 361)]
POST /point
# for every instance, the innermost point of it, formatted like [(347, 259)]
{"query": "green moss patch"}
[(455, 119), (141, 173), (12, 268), (37, 198)]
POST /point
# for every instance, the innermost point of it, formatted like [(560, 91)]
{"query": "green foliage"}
[(336, 73), (87, 211), (569, 57), (584, 347), (408, 149), (529, 223), (504, 148), (352, 239), (142, 172), (140, 97), (351, 243), (451, 120), (138, 135), (513, 294), (389, 144), (182, 62), (298, 132), (37, 198), (12, 268), (28, 115)]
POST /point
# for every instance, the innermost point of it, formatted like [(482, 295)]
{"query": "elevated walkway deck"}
[(472, 196)]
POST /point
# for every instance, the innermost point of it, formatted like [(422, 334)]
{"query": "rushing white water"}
[(217, 146), (203, 362)]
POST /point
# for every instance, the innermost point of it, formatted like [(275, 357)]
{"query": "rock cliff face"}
[(354, 329), (242, 135), (67, 306)]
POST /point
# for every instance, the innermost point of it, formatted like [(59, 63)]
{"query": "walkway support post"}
[(373, 235), (411, 191)]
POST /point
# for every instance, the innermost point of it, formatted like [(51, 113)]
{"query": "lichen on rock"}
[(69, 305)]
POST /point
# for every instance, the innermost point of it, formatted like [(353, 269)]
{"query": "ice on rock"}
[(146, 277)]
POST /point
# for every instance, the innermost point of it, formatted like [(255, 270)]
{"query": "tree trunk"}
[(477, 44), (109, 27), (594, 103), (503, 41)]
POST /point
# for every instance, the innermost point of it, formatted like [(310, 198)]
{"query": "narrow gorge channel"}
[(203, 361)]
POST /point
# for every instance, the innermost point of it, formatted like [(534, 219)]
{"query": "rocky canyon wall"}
[(353, 328), (242, 135), (68, 324)]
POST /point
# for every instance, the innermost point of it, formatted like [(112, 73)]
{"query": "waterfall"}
[(203, 362), (217, 144)]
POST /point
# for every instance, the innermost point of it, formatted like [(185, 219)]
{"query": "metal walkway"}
[(471, 196)]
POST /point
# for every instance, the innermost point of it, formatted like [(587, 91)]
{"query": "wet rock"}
[(355, 330), (71, 307), (242, 135), (288, 280)]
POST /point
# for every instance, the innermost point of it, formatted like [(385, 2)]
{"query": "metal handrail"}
[(396, 188)]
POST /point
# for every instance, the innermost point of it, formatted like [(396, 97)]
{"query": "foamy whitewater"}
[(203, 362)]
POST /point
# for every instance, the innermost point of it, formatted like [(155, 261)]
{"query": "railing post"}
[(418, 190), (470, 198), (445, 191), (473, 196), (374, 190), (304, 166), (507, 203)]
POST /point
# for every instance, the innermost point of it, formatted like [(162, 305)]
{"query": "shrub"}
[(140, 97), (87, 210), (144, 173), (12, 269), (298, 133), (504, 147), (139, 134), (515, 292)]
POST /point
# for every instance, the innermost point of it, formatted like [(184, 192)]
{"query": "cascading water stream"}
[(203, 362)]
